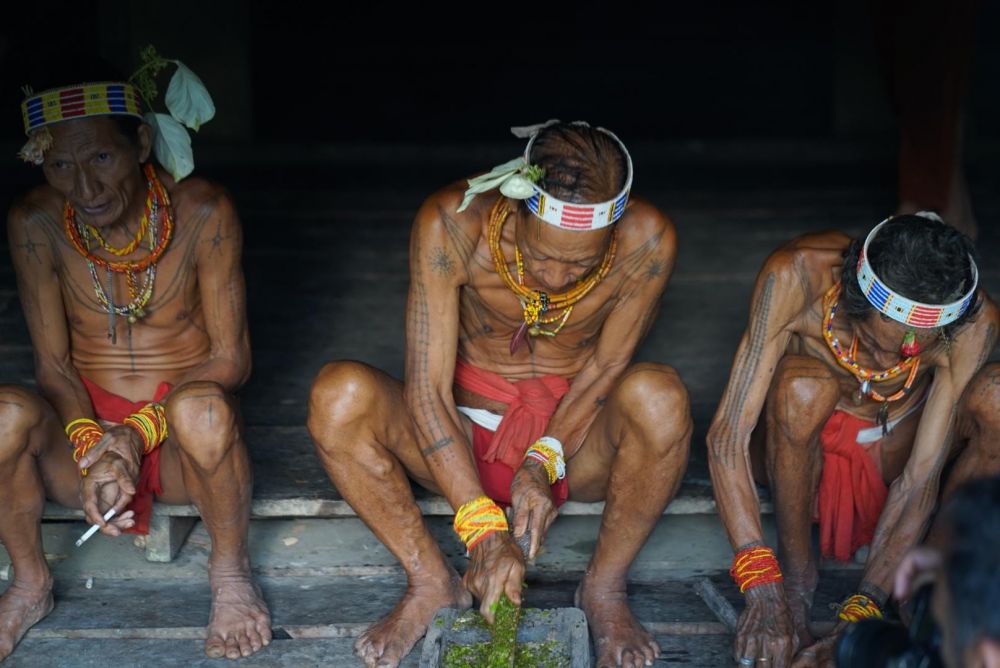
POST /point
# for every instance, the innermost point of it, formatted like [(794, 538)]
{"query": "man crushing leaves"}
[(134, 298), (525, 308), (866, 363)]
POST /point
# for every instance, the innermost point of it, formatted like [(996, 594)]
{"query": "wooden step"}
[(289, 481)]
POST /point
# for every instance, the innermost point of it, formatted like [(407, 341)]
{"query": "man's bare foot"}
[(619, 639), (240, 623), (21, 608), (386, 642)]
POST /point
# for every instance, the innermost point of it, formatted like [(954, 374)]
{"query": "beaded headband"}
[(187, 101), (518, 179), (92, 99), (900, 308)]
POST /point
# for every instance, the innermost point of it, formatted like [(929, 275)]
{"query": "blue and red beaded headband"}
[(905, 310), (518, 179), (91, 99)]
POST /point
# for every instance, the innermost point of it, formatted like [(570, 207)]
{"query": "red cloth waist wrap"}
[(530, 404), (851, 489), (113, 408)]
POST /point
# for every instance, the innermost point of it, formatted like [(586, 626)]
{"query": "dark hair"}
[(972, 562), (922, 259), (582, 164)]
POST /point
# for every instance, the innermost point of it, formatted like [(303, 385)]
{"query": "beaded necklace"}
[(94, 233), (866, 376), (536, 304), (158, 222)]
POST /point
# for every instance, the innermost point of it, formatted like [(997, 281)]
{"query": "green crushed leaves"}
[(527, 655), (502, 651)]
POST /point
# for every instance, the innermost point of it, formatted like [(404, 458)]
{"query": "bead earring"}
[(909, 347)]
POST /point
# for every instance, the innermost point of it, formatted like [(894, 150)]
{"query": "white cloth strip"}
[(873, 434), (482, 417)]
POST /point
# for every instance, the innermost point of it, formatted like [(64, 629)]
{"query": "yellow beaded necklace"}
[(866, 376), (535, 304)]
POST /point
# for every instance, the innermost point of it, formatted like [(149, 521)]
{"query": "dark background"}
[(452, 72)]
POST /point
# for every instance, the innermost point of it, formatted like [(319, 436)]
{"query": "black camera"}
[(877, 643)]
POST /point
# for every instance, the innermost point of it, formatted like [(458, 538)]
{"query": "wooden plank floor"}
[(93, 627)]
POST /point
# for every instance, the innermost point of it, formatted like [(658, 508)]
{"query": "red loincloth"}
[(113, 408), (851, 490), (530, 405)]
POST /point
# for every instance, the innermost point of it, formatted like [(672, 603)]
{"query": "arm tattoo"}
[(745, 365), (655, 269), (217, 240), (437, 445), (441, 262), (30, 247), (418, 332), (756, 543), (928, 495), (459, 241)]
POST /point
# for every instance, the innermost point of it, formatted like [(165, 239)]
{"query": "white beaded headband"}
[(518, 179), (903, 309)]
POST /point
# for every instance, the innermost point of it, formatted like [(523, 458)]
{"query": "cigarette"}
[(93, 529)]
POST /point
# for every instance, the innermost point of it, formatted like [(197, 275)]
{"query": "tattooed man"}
[(864, 372), (525, 308), (133, 294)]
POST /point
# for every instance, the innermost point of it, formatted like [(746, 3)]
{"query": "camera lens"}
[(871, 643)]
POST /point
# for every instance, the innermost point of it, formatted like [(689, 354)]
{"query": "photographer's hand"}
[(916, 569)]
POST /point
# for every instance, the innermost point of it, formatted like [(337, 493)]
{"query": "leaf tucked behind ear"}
[(187, 98), (171, 145)]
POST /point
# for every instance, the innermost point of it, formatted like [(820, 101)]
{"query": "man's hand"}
[(112, 471), (496, 567), (765, 634), (534, 510), (821, 654)]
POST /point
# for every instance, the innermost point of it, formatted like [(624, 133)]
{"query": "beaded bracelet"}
[(150, 422), (84, 434), (477, 519), (549, 452), (859, 606), (755, 566)]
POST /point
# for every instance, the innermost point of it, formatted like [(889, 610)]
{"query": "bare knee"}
[(803, 394), (343, 392), (20, 412), (202, 420), (982, 402), (652, 399)]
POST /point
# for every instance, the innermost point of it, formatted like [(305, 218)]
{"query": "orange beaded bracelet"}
[(755, 566)]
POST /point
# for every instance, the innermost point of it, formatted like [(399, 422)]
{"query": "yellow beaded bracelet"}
[(150, 422), (548, 452), (477, 519), (858, 607)]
